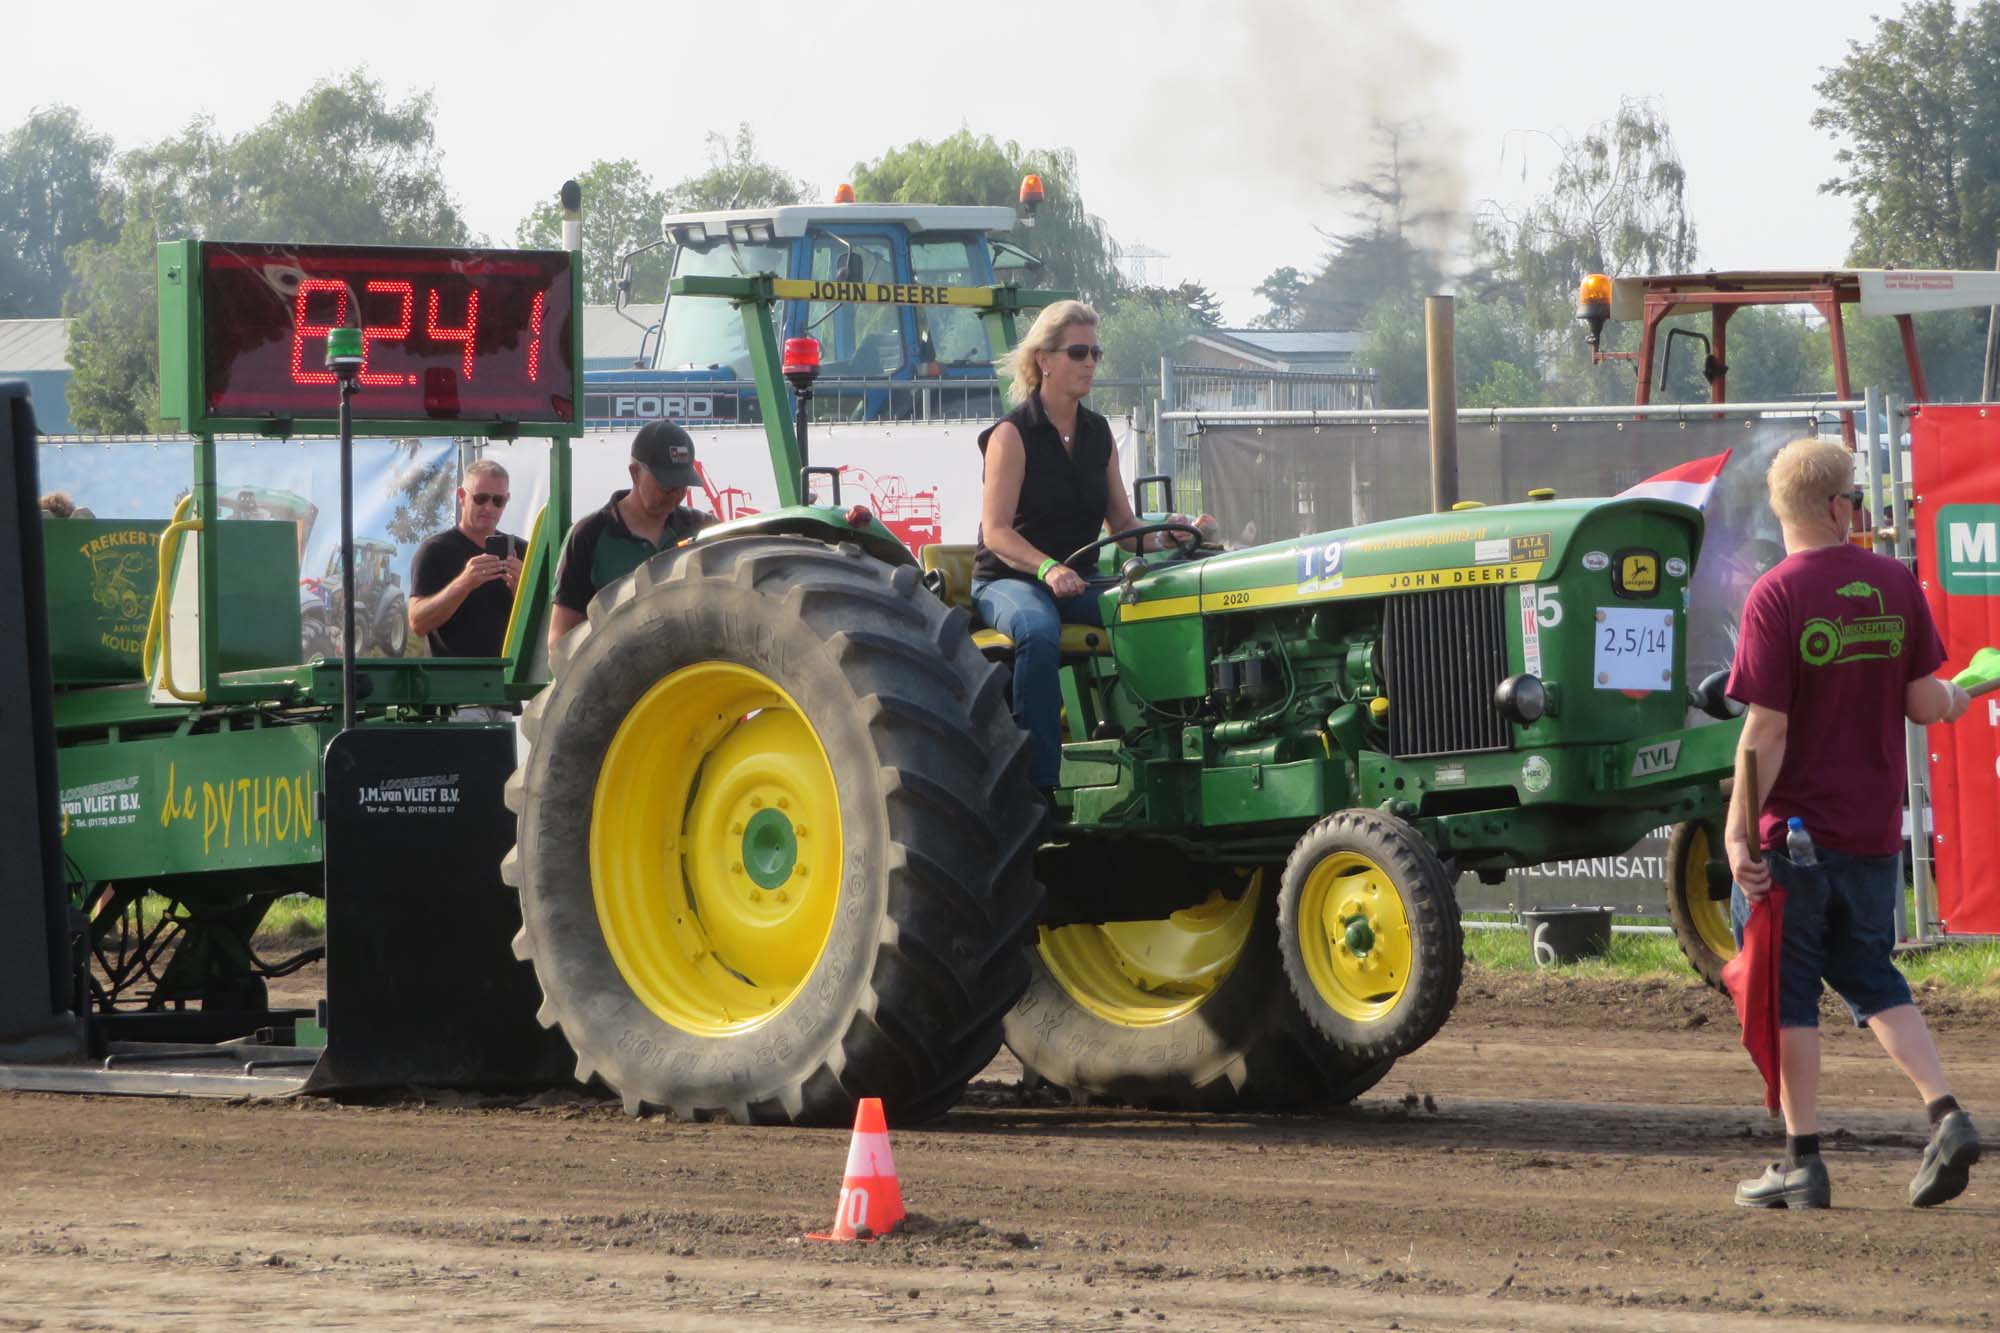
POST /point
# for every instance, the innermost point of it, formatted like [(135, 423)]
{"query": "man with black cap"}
[(638, 523)]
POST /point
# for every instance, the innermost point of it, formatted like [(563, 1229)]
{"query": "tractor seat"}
[(948, 573)]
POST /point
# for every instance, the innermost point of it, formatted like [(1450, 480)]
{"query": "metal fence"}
[(1189, 393)]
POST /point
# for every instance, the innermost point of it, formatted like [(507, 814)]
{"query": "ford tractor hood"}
[(1522, 543)]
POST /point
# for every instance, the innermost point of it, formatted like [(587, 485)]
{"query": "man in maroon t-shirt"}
[(1837, 650)]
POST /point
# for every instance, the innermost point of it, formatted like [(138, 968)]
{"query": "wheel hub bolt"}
[(1359, 937)]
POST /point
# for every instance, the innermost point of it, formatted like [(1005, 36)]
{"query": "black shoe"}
[(1948, 1160), (1804, 1186)]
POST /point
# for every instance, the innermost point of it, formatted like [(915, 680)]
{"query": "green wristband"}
[(1042, 574)]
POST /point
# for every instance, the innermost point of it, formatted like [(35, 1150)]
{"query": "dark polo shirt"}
[(601, 550)]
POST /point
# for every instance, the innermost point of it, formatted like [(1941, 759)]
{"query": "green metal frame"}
[(182, 392), (755, 297)]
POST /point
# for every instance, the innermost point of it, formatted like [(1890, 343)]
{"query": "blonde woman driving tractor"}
[(1051, 486)]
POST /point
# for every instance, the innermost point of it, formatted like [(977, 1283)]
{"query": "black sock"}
[(1941, 1108), (1800, 1145)]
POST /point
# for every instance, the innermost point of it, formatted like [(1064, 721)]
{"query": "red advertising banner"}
[(1956, 467)]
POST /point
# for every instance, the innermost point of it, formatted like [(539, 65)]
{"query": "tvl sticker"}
[(1655, 759)]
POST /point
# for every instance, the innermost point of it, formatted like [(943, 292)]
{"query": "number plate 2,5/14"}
[(1634, 649)]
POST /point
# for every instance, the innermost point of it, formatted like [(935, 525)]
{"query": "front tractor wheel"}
[(1698, 900), (1186, 1012), (1369, 932), (776, 838)]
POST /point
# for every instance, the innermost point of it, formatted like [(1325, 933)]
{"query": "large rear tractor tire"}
[(776, 838), (1369, 932), (1701, 920), (1188, 1012)]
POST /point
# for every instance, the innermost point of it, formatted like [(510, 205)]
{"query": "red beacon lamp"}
[(843, 193), (801, 367), (802, 363), (1031, 196)]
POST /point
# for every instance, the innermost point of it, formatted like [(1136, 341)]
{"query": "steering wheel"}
[(1187, 548)]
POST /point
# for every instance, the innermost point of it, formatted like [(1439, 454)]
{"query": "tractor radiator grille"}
[(1444, 652)]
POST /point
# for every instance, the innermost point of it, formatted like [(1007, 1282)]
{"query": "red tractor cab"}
[(1900, 293)]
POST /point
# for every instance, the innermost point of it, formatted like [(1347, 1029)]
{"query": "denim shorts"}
[(1840, 925)]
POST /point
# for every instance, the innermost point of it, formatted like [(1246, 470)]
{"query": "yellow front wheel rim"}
[(715, 847), (1141, 974), (1709, 916), (1354, 934)]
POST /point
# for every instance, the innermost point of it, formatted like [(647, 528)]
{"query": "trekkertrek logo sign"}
[(1969, 549)]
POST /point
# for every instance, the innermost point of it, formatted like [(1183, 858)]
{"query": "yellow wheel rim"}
[(1141, 974), (1709, 916), (715, 849), (1354, 933)]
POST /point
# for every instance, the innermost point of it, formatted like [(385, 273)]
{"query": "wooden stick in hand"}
[(1747, 803)]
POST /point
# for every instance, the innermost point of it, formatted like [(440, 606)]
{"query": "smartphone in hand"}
[(497, 544)]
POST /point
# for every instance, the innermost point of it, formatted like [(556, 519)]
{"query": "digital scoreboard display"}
[(449, 336)]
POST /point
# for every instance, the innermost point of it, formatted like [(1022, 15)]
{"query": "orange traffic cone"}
[(871, 1202)]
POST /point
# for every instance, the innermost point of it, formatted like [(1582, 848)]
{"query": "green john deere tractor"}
[(778, 849)]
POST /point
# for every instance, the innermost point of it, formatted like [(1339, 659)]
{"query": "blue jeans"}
[(1033, 617), (1840, 924)]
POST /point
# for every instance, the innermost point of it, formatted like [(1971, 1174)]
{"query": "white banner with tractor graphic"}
[(921, 479), (403, 492)]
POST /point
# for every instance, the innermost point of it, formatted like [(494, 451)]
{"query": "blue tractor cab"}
[(875, 359)]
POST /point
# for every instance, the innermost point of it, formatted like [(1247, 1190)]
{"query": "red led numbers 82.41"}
[(400, 297), (464, 335)]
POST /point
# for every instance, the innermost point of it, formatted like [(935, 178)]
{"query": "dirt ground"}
[(1561, 1157)]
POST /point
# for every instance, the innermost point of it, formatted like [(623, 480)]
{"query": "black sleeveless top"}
[(1063, 491)]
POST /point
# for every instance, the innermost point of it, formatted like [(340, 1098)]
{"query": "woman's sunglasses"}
[(489, 498), (1083, 351)]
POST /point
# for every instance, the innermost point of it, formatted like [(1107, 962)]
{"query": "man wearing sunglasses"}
[(1837, 651), (462, 590)]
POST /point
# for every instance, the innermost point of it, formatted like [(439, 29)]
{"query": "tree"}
[(1193, 298), (736, 178), (1776, 353), (1952, 343), (1392, 256), (1917, 110), (425, 489), (1617, 204), (1075, 251), (1282, 292), (1493, 349), (342, 165), (622, 209), (114, 385), (54, 194), (1136, 334)]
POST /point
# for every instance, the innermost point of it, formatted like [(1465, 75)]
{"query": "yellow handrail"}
[(514, 610), (154, 616), (164, 640)]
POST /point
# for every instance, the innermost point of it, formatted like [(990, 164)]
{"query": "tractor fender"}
[(820, 523)]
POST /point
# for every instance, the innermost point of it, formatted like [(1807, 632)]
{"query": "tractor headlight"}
[(1521, 698)]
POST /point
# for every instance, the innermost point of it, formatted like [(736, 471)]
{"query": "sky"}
[(1207, 131)]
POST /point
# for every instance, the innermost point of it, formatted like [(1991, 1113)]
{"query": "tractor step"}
[(172, 1069)]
